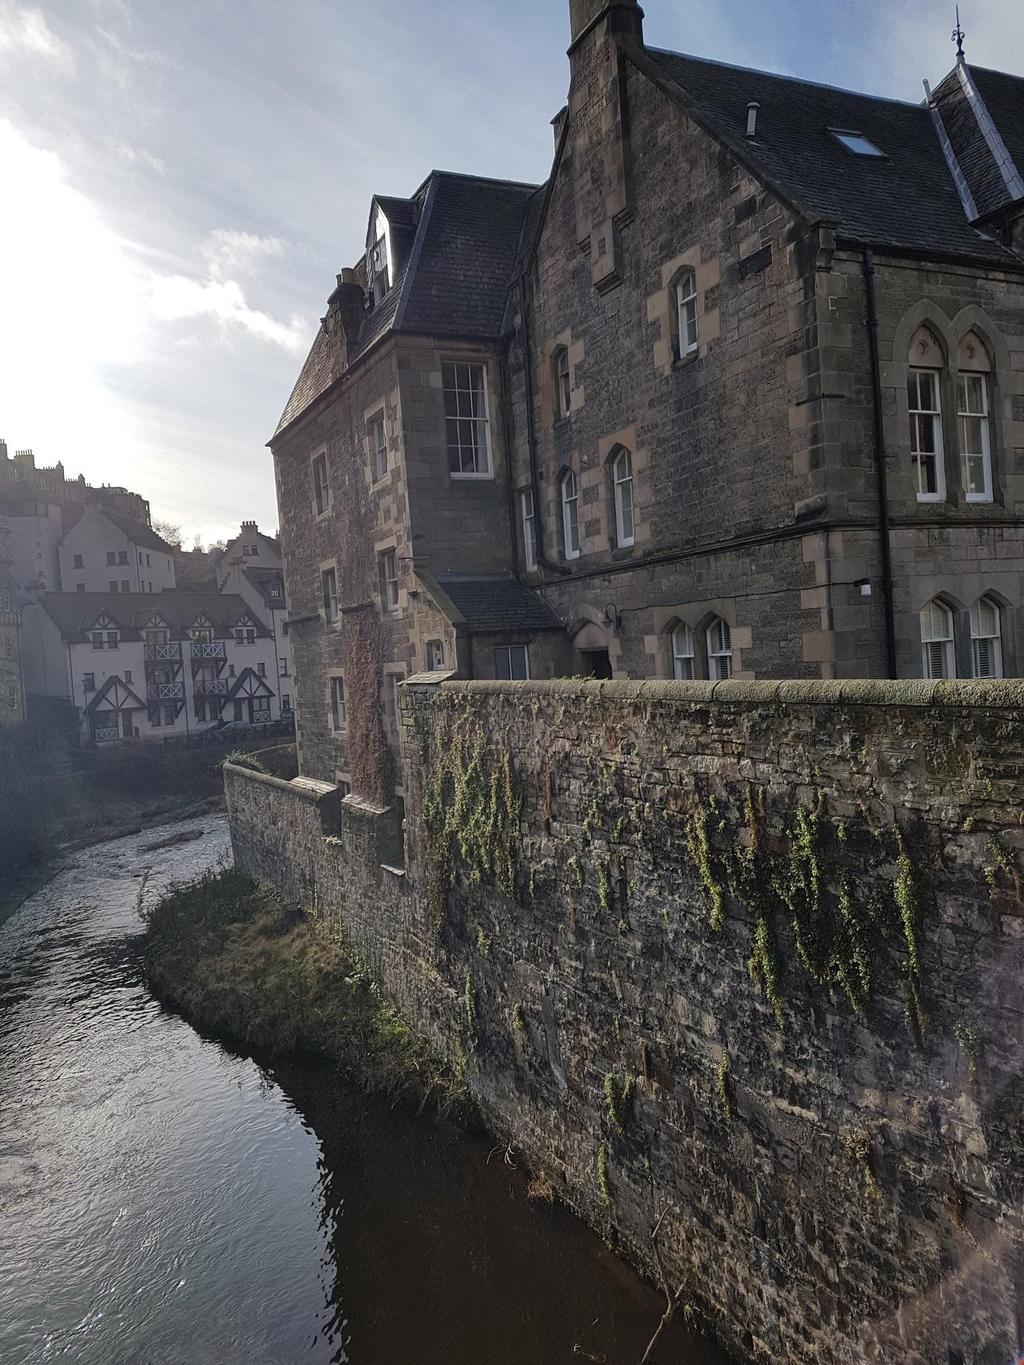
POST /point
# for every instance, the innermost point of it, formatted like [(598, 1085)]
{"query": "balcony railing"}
[(160, 653), (105, 734), (207, 649), (165, 692), (211, 687)]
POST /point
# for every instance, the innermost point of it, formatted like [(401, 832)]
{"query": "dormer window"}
[(378, 269), (855, 142)]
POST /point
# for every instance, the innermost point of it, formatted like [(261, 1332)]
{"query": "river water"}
[(167, 1201)]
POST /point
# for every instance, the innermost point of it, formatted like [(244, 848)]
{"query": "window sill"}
[(470, 477), (562, 423), (930, 499), (680, 362), (977, 500), (322, 516)]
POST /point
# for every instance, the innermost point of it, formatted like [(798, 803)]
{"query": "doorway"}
[(596, 663)]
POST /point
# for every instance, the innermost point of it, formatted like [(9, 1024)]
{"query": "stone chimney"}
[(598, 140), (624, 18), (347, 303)]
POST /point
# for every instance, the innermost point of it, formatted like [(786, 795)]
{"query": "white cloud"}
[(71, 307), (230, 253), (24, 29), (174, 297), (81, 307)]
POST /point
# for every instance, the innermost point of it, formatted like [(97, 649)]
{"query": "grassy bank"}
[(226, 953)]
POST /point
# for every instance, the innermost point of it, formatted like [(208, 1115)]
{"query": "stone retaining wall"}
[(749, 952)]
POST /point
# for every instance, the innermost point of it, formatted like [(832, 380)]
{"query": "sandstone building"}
[(737, 392)]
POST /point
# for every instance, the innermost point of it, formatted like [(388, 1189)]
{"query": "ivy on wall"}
[(369, 752), (471, 809)]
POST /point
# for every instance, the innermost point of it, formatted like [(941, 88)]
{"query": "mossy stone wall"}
[(749, 952)]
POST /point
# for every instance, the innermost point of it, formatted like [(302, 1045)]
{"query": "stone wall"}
[(746, 952)]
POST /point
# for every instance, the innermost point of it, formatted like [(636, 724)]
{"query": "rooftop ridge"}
[(784, 76)]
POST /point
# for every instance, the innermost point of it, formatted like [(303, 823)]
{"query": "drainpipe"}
[(531, 437), (506, 410), (880, 473)]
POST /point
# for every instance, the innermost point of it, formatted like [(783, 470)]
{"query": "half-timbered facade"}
[(145, 667)]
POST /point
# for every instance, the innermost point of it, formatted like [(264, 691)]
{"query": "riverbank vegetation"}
[(236, 962)]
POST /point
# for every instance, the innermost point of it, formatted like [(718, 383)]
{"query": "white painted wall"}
[(94, 539), (31, 544)]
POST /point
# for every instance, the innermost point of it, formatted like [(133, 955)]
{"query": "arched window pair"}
[(924, 402), (718, 642), (622, 500), (684, 320), (938, 640)]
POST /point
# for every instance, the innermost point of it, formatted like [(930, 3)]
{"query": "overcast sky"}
[(182, 179)]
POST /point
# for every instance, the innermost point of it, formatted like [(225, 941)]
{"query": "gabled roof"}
[(400, 213), (139, 534), (250, 684), (980, 113), (453, 283), (119, 694), (497, 604), (906, 201), (76, 613)]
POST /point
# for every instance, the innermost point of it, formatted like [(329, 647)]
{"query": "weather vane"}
[(958, 37)]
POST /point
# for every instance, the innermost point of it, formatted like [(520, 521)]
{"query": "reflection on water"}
[(163, 1200)]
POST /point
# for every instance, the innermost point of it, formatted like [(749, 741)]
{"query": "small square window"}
[(856, 143)]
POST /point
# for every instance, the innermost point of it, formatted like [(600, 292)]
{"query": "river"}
[(165, 1200)]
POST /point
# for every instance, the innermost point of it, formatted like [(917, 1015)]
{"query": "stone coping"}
[(302, 789), (1006, 694)]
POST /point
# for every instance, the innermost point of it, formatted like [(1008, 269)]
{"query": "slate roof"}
[(467, 245), (453, 283), (1004, 99), (462, 239), (76, 613), (137, 532), (906, 202), (978, 165), (495, 603)]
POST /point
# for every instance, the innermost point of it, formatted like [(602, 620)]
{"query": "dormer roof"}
[(452, 283)]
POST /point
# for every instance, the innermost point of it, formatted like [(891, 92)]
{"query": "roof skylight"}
[(856, 143)]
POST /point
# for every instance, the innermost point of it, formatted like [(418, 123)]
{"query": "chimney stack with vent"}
[(347, 304)]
